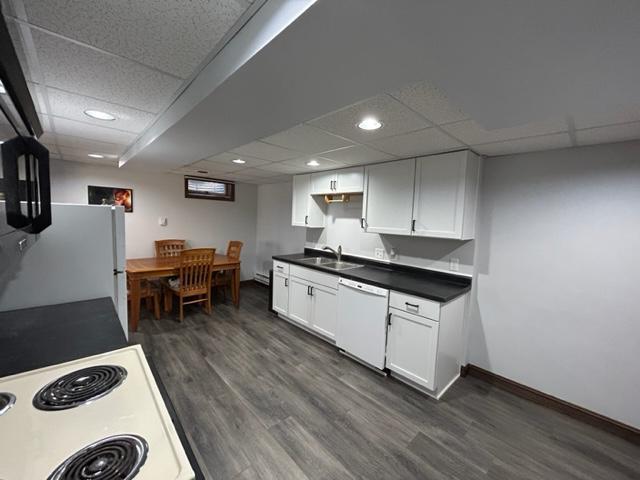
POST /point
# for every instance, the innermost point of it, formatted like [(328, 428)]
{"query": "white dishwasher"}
[(362, 321)]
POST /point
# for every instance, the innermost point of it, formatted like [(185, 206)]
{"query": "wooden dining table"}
[(139, 269)]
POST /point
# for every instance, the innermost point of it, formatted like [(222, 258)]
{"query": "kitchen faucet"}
[(337, 253)]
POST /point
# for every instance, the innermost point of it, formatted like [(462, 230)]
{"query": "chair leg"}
[(156, 305), (168, 300), (181, 310), (208, 304)]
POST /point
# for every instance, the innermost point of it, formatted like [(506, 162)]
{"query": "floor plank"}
[(262, 399)]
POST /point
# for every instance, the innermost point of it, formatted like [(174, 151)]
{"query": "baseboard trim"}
[(610, 425), (251, 282)]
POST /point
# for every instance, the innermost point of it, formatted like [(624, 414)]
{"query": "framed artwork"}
[(111, 196)]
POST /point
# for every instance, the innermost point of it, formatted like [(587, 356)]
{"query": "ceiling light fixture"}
[(313, 163), (95, 155), (238, 160), (2, 89), (99, 115), (370, 123)]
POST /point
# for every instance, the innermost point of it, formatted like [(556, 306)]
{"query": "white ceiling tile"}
[(612, 133), (307, 139), (85, 71), (93, 132), (627, 115), (395, 117), (264, 151), (325, 163), (422, 142), (171, 36), (471, 133), (531, 144), (258, 172), (218, 167), (277, 179), (228, 158), (71, 106), (82, 143), (282, 167), (430, 102), (357, 155)]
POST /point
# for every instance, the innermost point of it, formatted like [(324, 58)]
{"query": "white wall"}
[(558, 256), (275, 235), (203, 223), (343, 228)]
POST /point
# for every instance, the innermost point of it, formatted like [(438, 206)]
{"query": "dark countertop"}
[(437, 286), (37, 337)]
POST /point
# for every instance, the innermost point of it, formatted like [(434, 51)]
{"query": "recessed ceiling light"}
[(238, 160), (2, 89), (369, 123), (95, 155), (313, 163), (97, 114), (1, 142)]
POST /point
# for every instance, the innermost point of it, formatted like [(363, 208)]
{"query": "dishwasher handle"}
[(363, 287)]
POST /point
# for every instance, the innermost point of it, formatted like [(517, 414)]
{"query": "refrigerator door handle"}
[(117, 272)]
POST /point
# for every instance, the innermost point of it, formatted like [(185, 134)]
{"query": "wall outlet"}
[(454, 264), (379, 253)]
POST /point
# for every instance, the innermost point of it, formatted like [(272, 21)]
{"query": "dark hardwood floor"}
[(261, 399)]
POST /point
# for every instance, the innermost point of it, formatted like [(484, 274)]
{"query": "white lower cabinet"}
[(324, 310), (412, 346), (299, 301), (280, 293)]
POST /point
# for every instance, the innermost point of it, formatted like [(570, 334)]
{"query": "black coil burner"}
[(113, 458), (79, 387)]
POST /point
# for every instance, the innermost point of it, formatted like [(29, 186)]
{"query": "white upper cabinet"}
[(306, 211), (348, 180), (388, 197), (445, 195)]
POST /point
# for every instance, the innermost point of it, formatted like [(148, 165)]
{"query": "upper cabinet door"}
[(323, 183), (349, 180), (445, 195), (388, 197), (301, 192)]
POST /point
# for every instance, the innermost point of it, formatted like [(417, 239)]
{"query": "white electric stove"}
[(99, 417)]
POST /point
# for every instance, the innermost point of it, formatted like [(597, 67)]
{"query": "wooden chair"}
[(150, 293), (224, 278), (169, 248), (194, 280)]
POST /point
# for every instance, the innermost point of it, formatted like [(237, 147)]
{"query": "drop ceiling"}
[(495, 78), (130, 59)]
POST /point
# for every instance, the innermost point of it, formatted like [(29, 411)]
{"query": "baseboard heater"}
[(262, 278)]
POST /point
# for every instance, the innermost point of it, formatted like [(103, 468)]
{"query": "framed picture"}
[(111, 196)]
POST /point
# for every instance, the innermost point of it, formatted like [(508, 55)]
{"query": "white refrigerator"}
[(81, 256)]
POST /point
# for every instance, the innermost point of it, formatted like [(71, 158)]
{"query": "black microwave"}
[(25, 191)]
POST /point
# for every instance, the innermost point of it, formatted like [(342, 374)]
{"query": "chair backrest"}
[(169, 248), (234, 248), (195, 270)]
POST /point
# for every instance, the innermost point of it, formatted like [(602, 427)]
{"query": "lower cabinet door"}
[(412, 345), (299, 301), (324, 310), (280, 293)]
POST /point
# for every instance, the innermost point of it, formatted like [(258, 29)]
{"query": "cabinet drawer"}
[(416, 305), (280, 267), (314, 276)]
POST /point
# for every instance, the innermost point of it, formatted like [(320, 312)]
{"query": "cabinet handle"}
[(308, 289), (279, 267), (413, 225), (389, 318), (286, 282), (311, 291), (306, 219), (362, 223), (412, 305)]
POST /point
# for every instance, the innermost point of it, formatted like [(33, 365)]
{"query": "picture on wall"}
[(111, 196)]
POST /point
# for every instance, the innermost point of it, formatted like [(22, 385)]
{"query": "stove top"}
[(97, 418), (80, 387), (117, 457)]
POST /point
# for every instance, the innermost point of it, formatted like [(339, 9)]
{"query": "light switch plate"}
[(379, 253), (162, 221), (454, 264)]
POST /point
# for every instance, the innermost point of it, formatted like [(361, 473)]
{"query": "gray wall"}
[(558, 255)]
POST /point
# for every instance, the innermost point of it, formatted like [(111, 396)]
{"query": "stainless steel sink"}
[(341, 265), (318, 260)]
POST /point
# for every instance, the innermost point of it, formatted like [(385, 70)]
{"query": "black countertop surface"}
[(37, 337), (437, 286)]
